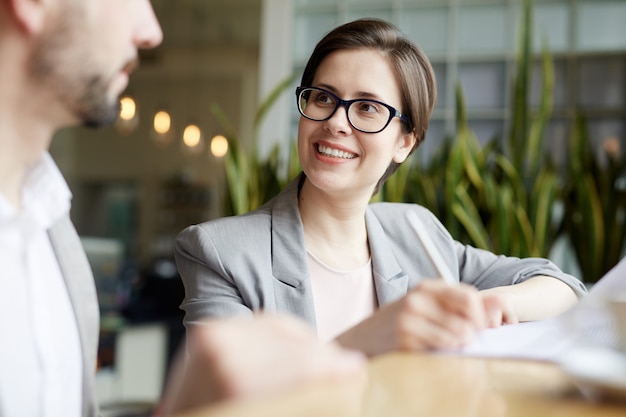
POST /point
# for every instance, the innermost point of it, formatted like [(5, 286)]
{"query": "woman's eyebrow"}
[(360, 94), (327, 87)]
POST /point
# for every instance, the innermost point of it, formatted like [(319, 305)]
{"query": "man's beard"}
[(93, 107), (67, 70)]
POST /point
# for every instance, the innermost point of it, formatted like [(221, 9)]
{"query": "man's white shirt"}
[(40, 352)]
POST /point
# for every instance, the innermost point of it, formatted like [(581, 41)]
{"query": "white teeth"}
[(335, 153)]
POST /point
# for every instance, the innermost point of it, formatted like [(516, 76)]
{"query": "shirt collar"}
[(45, 194)]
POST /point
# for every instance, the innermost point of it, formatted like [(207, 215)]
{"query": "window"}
[(474, 42)]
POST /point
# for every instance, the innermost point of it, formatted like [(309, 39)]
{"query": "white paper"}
[(586, 324)]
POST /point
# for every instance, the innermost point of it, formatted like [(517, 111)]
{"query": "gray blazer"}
[(82, 291), (257, 261)]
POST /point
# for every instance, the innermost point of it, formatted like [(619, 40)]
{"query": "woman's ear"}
[(405, 146), (29, 15)]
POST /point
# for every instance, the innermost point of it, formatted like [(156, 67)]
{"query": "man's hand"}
[(242, 357)]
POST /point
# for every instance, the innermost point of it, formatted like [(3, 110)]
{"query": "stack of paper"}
[(587, 324)]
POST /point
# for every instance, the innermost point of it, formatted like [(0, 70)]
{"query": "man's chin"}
[(101, 119), (96, 124)]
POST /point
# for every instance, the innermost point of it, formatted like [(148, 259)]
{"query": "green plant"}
[(595, 203), (500, 196), (252, 180), (493, 198), (494, 204), (514, 190)]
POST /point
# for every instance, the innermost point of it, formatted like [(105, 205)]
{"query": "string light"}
[(128, 119), (192, 139), (219, 146), (162, 132), (192, 136), (162, 122), (128, 108)]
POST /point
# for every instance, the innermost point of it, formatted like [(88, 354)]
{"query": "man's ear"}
[(407, 141), (29, 15)]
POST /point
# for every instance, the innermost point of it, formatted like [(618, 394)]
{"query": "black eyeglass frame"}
[(346, 104)]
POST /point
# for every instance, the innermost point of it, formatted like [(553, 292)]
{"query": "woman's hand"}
[(537, 298), (433, 315), (498, 308)]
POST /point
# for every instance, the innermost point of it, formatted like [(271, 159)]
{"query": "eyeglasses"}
[(368, 116)]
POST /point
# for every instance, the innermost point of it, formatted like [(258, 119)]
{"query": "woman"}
[(357, 271)]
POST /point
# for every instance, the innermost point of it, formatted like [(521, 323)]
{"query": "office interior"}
[(135, 188)]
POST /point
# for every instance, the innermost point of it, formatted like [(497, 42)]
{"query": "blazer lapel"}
[(289, 265), (81, 288), (390, 281)]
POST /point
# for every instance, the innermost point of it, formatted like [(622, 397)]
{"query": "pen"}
[(433, 254)]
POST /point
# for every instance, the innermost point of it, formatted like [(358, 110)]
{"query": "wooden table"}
[(431, 385)]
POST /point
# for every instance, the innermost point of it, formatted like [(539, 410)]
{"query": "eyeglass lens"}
[(364, 115)]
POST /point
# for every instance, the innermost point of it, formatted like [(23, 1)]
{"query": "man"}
[(62, 63)]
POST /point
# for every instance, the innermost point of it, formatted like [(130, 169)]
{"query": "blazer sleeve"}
[(210, 291), (484, 269), (480, 268)]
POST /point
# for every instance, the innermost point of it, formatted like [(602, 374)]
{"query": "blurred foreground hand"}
[(244, 357)]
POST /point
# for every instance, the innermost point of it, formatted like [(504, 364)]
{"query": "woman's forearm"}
[(538, 298)]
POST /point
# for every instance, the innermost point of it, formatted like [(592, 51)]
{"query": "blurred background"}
[(161, 167)]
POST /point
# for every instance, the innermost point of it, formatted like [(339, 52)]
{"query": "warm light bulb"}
[(128, 108), (192, 135), (219, 146), (162, 122)]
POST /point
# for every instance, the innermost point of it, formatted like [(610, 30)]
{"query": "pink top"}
[(341, 298)]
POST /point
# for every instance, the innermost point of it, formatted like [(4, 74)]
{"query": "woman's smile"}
[(333, 152)]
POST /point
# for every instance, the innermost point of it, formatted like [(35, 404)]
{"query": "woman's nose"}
[(338, 122)]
